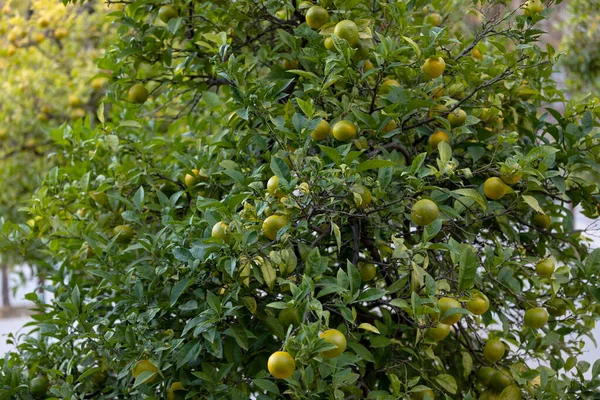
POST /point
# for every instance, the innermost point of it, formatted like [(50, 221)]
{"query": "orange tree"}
[(48, 70), (342, 200)]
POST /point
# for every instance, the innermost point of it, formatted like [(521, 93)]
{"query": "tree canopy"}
[(330, 200)]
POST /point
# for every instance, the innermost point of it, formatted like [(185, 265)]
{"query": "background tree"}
[(581, 43), (48, 66), (362, 200)]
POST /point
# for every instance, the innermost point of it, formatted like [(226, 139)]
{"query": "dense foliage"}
[(49, 76), (581, 44), (208, 236)]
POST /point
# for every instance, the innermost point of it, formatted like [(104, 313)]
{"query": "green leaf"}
[(445, 152), (332, 153), (267, 385), (471, 194), (313, 262), (414, 46), (447, 382), (370, 295), (268, 272), (368, 327), (280, 169), (361, 351), (533, 203), (467, 363), (467, 268), (178, 289), (374, 164)]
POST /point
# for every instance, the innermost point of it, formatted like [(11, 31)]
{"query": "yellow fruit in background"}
[(457, 117), (426, 394), (367, 66), (137, 94), (167, 12), (344, 130), (556, 307), (532, 7), (287, 317), (61, 33), (434, 19), (500, 380), (321, 132), (289, 64), (39, 38), (281, 365), (439, 332), (123, 234), (38, 387), (220, 230), (511, 178), (388, 85), (365, 195), (272, 225), (494, 350), (479, 304), (11, 50), (43, 117), (337, 338), (316, 17), (536, 317), (541, 221), (98, 83), (367, 271), (74, 100), (77, 113), (476, 54), (329, 43), (43, 22), (494, 188), (545, 268), (347, 30), (424, 212), (175, 387), (484, 375), (390, 126), (145, 366), (445, 304), (191, 180), (273, 186), (434, 67), (435, 139)]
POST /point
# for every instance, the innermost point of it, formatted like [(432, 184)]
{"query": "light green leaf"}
[(533, 203), (368, 327), (467, 268), (374, 164), (471, 194), (447, 382)]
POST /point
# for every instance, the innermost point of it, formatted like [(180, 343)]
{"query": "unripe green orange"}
[(220, 230), (348, 30), (494, 188), (545, 268), (494, 350), (281, 365), (479, 304), (434, 67), (457, 117), (367, 271), (137, 94), (424, 212), (272, 225), (321, 131), (536, 317), (541, 221), (438, 137), (439, 332), (145, 366), (167, 12), (445, 304), (337, 338), (365, 195), (123, 233), (344, 130), (316, 17)]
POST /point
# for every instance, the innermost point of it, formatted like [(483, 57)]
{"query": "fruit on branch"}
[(434, 67), (424, 212), (536, 317), (281, 365), (494, 350), (336, 338), (316, 17), (494, 188), (344, 130), (272, 225)]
